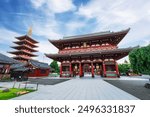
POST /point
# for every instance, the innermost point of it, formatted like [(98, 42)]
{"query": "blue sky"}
[(53, 19)]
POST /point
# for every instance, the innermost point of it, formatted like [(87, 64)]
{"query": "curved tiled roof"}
[(38, 64), (22, 69), (28, 38), (18, 65), (7, 60), (119, 51), (103, 36)]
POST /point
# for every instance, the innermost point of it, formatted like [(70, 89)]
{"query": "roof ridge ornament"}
[(30, 31)]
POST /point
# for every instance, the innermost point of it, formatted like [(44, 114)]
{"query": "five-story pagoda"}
[(24, 53), (25, 48)]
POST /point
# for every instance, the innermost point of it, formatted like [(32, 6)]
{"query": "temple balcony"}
[(87, 49)]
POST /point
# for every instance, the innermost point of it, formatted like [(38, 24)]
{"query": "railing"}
[(30, 42), (87, 49), (27, 46), (23, 56), (26, 51)]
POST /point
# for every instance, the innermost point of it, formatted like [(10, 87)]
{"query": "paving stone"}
[(79, 89)]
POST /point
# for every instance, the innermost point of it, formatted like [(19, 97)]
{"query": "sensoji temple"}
[(24, 54), (91, 54)]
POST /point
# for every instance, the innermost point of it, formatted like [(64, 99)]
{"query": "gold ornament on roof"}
[(30, 31)]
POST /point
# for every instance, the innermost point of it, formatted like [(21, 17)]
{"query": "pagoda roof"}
[(27, 37), (6, 60), (24, 46), (21, 42), (115, 53), (22, 52), (102, 36), (19, 57), (38, 64)]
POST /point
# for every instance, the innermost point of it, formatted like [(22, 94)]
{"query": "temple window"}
[(43, 71)]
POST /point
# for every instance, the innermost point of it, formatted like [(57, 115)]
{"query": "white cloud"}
[(38, 3), (119, 15), (46, 31), (123, 59), (120, 12), (55, 6), (43, 58), (7, 36), (47, 47), (6, 40), (138, 35), (146, 43), (74, 26), (46, 27)]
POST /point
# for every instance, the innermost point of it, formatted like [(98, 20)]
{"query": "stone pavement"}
[(79, 89), (134, 86)]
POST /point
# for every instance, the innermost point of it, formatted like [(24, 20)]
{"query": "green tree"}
[(124, 68), (54, 66), (140, 60)]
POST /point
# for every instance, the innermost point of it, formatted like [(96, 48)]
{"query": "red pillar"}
[(61, 70), (70, 70), (7, 69), (117, 70), (92, 69), (80, 69), (104, 69)]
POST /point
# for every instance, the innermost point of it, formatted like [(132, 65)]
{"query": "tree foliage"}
[(140, 60), (54, 66), (124, 68)]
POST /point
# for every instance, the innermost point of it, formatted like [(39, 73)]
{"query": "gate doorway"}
[(87, 69)]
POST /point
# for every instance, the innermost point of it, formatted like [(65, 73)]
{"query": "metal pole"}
[(14, 84), (37, 86), (25, 85), (19, 86)]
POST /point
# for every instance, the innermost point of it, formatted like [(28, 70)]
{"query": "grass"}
[(12, 93), (6, 79)]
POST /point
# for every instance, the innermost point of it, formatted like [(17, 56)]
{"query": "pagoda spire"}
[(30, 31)]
